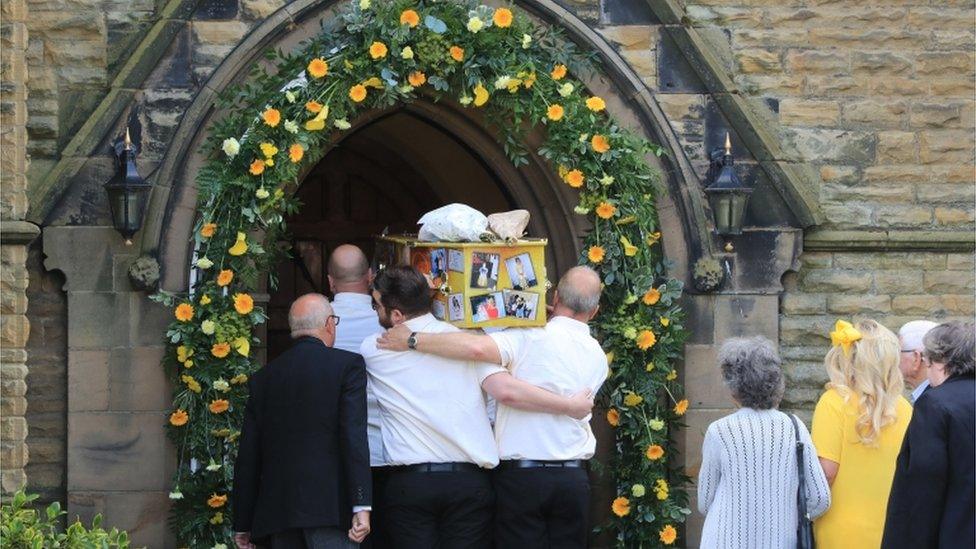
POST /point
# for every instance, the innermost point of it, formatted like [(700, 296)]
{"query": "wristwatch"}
[(412, 341)]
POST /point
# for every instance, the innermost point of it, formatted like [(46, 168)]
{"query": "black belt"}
[(536, 464), (435, 467)]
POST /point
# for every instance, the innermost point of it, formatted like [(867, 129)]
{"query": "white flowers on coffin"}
[(509, 225), (452, 223)]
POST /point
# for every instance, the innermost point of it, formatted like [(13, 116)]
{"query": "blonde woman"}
[(858, 427)]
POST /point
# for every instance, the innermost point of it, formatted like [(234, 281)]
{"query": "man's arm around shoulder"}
[(454, 345)]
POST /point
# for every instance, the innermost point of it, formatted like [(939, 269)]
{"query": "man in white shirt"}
[(437, 438), (913, 364), (541, 485)]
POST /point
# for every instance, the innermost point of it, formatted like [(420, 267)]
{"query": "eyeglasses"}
[(335, 318)]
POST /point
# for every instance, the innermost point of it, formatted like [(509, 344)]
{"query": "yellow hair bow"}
[(844, 334)]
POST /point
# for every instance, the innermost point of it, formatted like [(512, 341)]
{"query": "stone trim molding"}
[(889, 241), (18, 232)]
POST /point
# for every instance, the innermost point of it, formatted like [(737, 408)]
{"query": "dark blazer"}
[(303, 460), (932, 495)]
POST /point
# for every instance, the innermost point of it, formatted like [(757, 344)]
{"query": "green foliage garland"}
[(373, 57)]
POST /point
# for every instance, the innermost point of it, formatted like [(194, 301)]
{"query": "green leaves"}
[(21, 526)]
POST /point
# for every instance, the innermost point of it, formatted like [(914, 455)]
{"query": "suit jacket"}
[(303, 460), (932, 495)]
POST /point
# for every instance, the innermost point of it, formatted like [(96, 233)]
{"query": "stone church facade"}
[(854, 124)]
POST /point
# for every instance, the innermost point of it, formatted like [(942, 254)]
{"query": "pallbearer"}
[(541, 485)]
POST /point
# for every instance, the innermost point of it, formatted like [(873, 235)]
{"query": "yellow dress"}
[(859, 494)]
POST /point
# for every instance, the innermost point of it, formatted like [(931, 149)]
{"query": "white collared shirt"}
[(357, 321), (917, 391), (562, 358), (432, 409)]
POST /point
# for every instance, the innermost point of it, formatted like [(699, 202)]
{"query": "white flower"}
[(475, 24), (208, 327), (465, 99), (342, 124), (364, 4), (262, 193), (406, 53), (583, 137), (204, 263), (213, 465), (606, 180), (630, 299), (405, 89), (630, 332), (219, 546), (291, 126), (581, 210), (566, 89), (290, 96), (231, 147), (176, 494), (503, 82), (526, 41), (222, 386), (656, 424)]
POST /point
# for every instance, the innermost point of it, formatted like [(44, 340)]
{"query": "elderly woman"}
[(747, 487), (932, 496)]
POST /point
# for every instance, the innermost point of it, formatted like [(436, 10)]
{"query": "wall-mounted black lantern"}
[(127, 191), (728, 196)]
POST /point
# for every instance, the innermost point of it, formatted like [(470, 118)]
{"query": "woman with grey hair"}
[(747, 486), (933, 495)]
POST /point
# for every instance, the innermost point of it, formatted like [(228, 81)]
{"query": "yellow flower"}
[(238, 379), (240, 245), (595, 254), (629, 249), (313, 106), (218, 518), (268, 149), (665, 321), (457, 53), (528, 79), (672, 375), (183, 353), (178, 418), (649, 367), (205, 299), (661, 489), (271, 117), (409, 18), (632, 399), (652, 296), (613, 417), (645, 340), (216, 501), (558, 72), (373, 82), (357, 93), (192, 384), (218, 406), (243, 303), (555, 112), (257, 167), (220, 350), (600, 143), (317, 123), (656, 424), (208, 230), (225, 277), (844, 335), (638, 490), (654, 452), (184, 312), (502, 18), (575, 178), (318, 67), (610, 358), (668, 534), (377, 50), (595, 104), (242, 345), (417, 79), (480, 95), (606, 210), (295, 153), (681, 407), (621, 506), (653, 238)]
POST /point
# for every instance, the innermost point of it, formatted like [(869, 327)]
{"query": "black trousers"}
[(377, 538), (541, 508), (442, 510)]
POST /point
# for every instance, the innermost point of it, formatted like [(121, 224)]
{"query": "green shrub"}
[(23, 527)]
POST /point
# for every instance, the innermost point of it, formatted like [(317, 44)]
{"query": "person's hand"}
[(243, 540), (394, 339), (360, 527), (581, 404)]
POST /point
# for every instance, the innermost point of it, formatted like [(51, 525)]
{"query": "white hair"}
[(316, 315), (912, 333)]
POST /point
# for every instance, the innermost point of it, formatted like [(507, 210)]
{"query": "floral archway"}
[(375, 55)]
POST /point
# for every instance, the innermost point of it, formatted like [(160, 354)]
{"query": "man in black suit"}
[(303, 465)]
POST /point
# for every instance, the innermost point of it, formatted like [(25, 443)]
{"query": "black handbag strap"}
[(801, 492)]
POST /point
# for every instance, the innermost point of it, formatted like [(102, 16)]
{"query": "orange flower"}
[(613, 417), (313, 106), (216, 501), (243, 303), (652, 296), (257, 167), (606, 210), (457, 53), (225, 277), (645, 340), (555, 112), (184, 312), (357, 93), (668, 534), (178, 418), (621, 507), (220, 350), (271, 117), (295, 153), (654, 452), (218, 406), (558, 72), (377, 50), (416, 79), (208, 230), (574, 178), (502, 18), (595, 254), (409, 17), (596, 104), (681, 407), (318, 67), (600, 143)]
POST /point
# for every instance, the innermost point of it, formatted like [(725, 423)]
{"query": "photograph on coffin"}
[(487, 307)]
